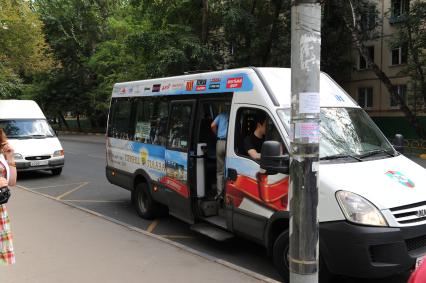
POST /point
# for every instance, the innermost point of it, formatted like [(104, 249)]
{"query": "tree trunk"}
[(419, 74), (248, 35), (205, 22), (78, 122), (355, 30), (272, 35), (62, 119)]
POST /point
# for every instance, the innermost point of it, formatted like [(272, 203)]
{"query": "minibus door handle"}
[(232, 174)]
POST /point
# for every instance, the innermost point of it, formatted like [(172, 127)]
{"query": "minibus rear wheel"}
[(281, 254), (145, 206)]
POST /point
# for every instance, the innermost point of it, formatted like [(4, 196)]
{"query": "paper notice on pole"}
[(309, 102), (307, 131)]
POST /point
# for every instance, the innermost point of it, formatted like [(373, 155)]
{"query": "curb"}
[(162, 239)]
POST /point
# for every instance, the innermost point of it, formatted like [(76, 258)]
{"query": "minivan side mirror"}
[(271, 159), (398, 143)]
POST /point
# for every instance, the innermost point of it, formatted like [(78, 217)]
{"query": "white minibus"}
[(34, 141), (160, 146)]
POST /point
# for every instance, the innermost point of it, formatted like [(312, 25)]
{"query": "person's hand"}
[(3, 182), (7, 150)]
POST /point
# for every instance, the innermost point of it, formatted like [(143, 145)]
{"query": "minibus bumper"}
[(52, 163), (370, 252)]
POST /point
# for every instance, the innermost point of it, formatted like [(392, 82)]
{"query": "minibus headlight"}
[(58, 153), (18, 156), (359, 210)]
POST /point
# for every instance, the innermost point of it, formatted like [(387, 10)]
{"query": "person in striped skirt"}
[(7, 178)]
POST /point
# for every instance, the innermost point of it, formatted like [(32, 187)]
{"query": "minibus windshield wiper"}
[(37, 136), (374, 152), (337, 156)]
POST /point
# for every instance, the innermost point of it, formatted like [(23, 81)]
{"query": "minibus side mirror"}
[(398, 143), (271, 159)]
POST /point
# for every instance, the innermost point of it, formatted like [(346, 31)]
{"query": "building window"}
[(402, 91), (362, 63), (399, 7), (365, 97), (369, 18), (399, 55), (399, 10)]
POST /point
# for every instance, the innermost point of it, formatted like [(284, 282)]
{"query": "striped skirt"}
[(7, 256)]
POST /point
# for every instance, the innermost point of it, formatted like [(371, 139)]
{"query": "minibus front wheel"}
[(281, 253), (145, 206)]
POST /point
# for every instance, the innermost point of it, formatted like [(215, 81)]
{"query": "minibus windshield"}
[(26, 128), (347, 132)]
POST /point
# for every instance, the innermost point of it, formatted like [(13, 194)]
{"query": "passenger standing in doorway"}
[(220, 129)]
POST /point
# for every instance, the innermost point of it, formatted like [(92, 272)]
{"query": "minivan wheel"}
[(56, 171), (280, 255), (145, 206)]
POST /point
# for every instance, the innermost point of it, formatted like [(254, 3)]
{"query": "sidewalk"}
[(55, 242)]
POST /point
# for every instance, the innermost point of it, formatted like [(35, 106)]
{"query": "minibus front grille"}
[(41, 157), (411, 214), (416, 243)]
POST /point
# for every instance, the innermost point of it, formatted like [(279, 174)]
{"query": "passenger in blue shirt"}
[(220, 129)]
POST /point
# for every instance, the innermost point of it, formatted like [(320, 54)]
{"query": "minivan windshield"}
[(27, 128), (347, 132)]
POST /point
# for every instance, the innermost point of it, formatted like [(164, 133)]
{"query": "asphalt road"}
[(84, 184)]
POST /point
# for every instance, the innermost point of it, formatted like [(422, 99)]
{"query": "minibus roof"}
[(20, 109), (277, 82), (331, 94)]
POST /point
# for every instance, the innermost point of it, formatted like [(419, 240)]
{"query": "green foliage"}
[(99, 43), (23, 50), (411, 35)]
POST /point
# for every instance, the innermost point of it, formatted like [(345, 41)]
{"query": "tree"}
[(23, 49), (354, 14), (412, 34)]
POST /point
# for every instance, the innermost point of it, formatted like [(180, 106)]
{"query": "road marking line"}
[(63, 185), (73, 190), (177, 237), (152, 226), (101, 201)]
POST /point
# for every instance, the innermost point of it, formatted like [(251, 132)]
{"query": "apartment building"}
[(366, 88)]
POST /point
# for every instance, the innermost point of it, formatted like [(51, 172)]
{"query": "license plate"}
[(39, 162), (419, 261)]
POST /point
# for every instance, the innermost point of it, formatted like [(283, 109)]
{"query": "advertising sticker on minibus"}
[(401, 178), (234, 82)]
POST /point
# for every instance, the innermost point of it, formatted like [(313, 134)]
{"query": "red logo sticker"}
[(200, 87), (189, 85), (234, 82)]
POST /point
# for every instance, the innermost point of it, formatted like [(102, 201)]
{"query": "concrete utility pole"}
[(305, 108)]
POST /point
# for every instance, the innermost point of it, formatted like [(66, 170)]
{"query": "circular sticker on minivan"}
[(398, 176)]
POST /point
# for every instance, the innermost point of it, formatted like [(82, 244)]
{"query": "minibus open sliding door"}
[(176, 159)]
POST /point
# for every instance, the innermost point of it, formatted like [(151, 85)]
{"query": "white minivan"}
[(372, 199), (35, 142)]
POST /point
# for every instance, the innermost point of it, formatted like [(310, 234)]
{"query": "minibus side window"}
[(179, 127), (144, 111), (159, 122), (120, 118), (246, 125)]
